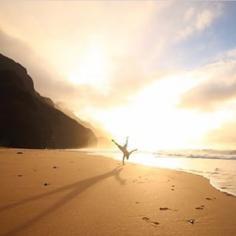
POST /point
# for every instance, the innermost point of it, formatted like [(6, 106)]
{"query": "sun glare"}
[(154, 121), (93, 67)]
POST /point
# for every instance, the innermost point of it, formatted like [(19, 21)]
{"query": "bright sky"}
[(160, 72)]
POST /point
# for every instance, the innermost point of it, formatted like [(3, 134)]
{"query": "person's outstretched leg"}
[(131, 152), (123, 160)]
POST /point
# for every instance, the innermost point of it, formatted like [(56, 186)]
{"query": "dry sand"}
[(69, 193)]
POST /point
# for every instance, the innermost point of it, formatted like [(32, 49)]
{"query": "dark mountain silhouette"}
[(103, 137), (29, 120)]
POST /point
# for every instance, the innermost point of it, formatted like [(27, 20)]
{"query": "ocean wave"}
[(196, 155)]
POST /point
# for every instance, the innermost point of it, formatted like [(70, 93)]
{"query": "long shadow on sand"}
[(76, 188)]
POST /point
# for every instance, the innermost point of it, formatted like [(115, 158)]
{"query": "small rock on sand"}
[(191, 221)]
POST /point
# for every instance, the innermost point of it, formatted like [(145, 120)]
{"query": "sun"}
[(93, 68)]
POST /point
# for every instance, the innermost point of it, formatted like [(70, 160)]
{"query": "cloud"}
[(189, 14), (177, 25), (217, 86), (52, 47), (136, 34), (209, 95), (127, 80), (205, 18), (222, 137), (198, 19), (46, 79)]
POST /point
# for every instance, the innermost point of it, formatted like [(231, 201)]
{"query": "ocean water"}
[(217, 166)]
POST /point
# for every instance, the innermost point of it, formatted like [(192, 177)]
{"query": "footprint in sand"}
[(200, 207), (19, 153), (164, 208), (46, 184), (172, 187), (19, 175), (209, 199), (167, 209), (54, 167), (154, 223)]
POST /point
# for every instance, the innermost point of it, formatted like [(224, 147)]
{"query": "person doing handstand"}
[(124, 149)]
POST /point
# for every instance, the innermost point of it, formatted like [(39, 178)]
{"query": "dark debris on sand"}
[(154, 223), (164, 208)]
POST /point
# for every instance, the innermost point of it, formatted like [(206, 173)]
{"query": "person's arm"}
[(115, 142)]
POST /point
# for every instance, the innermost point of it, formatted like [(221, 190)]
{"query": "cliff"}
[(28, 120)]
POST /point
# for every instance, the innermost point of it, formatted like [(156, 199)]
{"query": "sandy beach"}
[(46, 192)]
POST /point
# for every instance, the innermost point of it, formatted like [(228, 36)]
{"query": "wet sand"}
[(69, 193)]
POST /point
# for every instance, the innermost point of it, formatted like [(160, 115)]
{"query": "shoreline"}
[(211, 181), (55, 192)]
